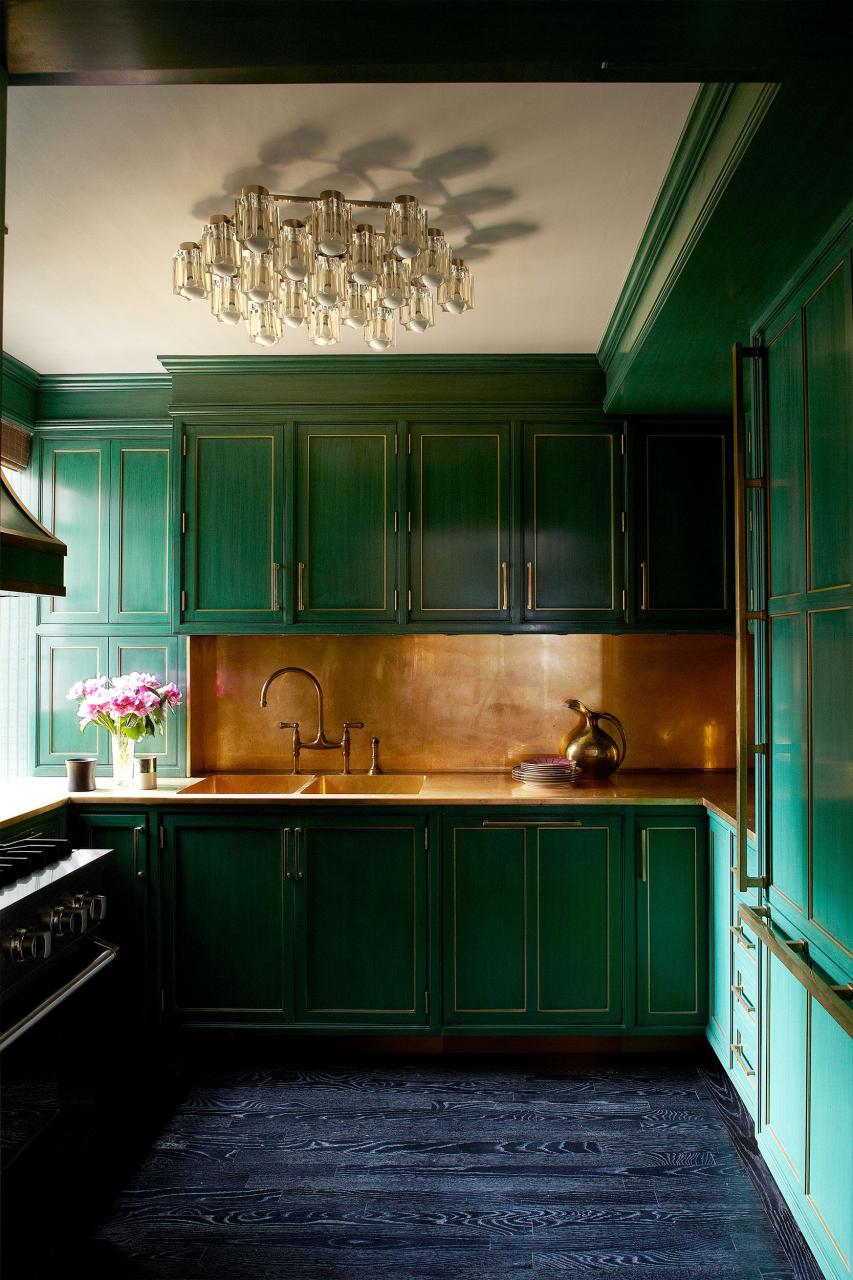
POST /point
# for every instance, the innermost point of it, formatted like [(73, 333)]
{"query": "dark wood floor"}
[(435, 1169)]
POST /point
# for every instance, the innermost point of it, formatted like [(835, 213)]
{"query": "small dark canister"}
[(81, 772)]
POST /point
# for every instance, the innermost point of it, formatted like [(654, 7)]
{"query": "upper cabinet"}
[(75, 505), (572, 527), (459, 520), (140, 522), (680, 521)]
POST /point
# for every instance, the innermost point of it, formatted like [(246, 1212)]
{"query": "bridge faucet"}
[(320, 742)]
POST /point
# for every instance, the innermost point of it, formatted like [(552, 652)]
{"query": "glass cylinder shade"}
[(324, 326), (327, 283), (394, 285), (256, 219), (406, 224), (264, 324), (331, 224), (366, 254), (293, 303), (220, 247), (359, 305), (258, 281), (433, 263), (379, 330), (188, 274), (226, 301), (457, 293), (293, 252), (418, 314)]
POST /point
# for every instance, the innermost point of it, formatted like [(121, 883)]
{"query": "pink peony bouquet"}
[(131, 706)]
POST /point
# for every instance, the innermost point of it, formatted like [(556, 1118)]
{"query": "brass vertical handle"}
[(297, 840), (644, 854), (286, 853), (644, 585), (504, 584), (530, 584), (137, 874), (742, 1060), (300, 569), (276, 571)]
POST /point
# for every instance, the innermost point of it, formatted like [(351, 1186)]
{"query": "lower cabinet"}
[(532, 921)]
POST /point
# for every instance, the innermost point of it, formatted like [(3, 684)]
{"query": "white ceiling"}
[(544, 188)]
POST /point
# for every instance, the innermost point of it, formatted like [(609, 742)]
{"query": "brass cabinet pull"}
[(300, 569), (515, 825), (137, 873), (276, 570), (744, 1001), (644, 854), (742, 1060), (644, 585), (286, 854), (504, 585), (530, 584), (741, 939), (297, 840)]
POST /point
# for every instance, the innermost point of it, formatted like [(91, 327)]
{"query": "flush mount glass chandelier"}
[(323, 272)]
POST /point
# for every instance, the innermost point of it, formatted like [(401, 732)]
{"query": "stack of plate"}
[(547, 771)]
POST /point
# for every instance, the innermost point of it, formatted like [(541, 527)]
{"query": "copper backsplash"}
[(442, 702)]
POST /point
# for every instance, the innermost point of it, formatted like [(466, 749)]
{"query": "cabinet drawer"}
[(745, 945), (745, 991), (744, 1055)]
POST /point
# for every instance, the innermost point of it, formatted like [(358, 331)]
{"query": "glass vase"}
[(122, 760)]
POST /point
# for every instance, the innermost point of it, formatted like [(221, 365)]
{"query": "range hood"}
[(32, 560)]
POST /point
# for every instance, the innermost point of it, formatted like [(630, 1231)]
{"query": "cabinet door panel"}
[(485, 915), (830, 1102), (345, 511), (672, 923), (159, 656), (140, 549), (786, 460), (459, 503), (720, 854), (578, 923), (62, 663), (224, 931), (788, 790), (75, 506), (784, 1016), (233, 548), (361, 930), (572, 543)]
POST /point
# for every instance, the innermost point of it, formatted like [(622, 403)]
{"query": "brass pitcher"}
[(591, 748)]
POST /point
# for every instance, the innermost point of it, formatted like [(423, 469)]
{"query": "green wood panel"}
[(578, 923), (75, 505), (361, 934), (831, 741), (140, 544), (784, 1089), (572, 518), (234, 539), (787, 765), (485, 925), (720, 856), (828, 324), (159, 656), (62, 662), (672, 914), (459, 503), (345, 520), (830, 1103), (786, 460), (224, 928)]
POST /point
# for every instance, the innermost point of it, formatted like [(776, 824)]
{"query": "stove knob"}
[(68, 919), (28, 944), (94, 903)]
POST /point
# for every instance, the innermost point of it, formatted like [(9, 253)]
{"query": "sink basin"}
[(354, 784), (247, 784)]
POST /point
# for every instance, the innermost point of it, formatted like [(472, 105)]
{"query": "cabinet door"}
[(75, 488), (681, 524), (159, 656), (578, 922), (572, 524), (127, 833), (459, 509), (63, 661), (361, 922), (485, 925), (672, 922), (141, 519), (233, 548), (784, 1083), (720, 854), (830, 1127), (226, 945), (345, 503)]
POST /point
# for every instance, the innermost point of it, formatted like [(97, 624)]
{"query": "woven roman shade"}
[(16, 445)]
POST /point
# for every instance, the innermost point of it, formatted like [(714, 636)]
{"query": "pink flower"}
[(85, 688), (171, 694)]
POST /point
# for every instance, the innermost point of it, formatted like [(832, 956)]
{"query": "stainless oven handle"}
[(108, 953)]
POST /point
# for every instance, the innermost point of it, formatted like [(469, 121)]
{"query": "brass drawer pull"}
[(530, 584), (644, 855), (644, 587), (286, 854), (741, 939), (504, 585), (741, 1058), (743, 1000), (297, 840), (276, 570), (300, 570)]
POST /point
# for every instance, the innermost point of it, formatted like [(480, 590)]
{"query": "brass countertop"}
[(26, 798)]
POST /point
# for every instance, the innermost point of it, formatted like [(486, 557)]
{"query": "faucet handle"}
[(288, 724), (297, 745), (353, 724)]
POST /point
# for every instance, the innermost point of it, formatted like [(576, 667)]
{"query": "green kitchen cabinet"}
[(75, 505), (362, 911), (532, 921), (157, 655), (130, 834), (140, 530), (233, 546), (829, 1119), (680, 524), (573, 512), (62, 662), (346, 516), (459, 522), (672, 921), (720, 854), (225, 929)]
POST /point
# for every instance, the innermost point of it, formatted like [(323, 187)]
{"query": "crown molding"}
[(383, 365), (86, 382), (16, 371)]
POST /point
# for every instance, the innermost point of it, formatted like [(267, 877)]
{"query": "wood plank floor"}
[(441, 1169)]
